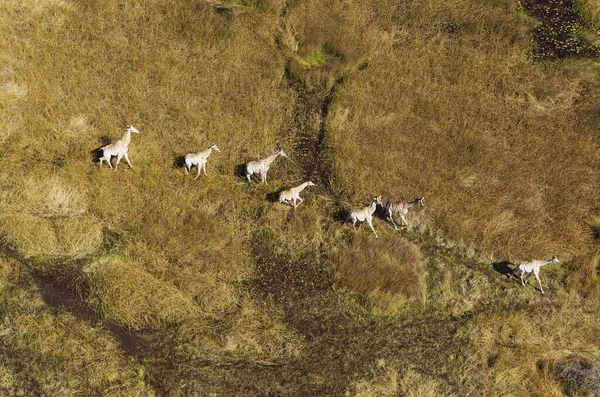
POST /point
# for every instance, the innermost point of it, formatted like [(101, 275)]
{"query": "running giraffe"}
[(532, 267), (118, 149), (365, 214), (401, 209), (199, 160), (261, 167), (293, 194)]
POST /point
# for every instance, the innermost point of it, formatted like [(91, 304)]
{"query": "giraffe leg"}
[(248, 177), (119, 156), (391, 218), (512, 274), (127, 159), (522, 282), (199, 169), (107, 161), (294, 201), (370, 223), (539, 282), (204, 168), (300, 200), (404, 223)]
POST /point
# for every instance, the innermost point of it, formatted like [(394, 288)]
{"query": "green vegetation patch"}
[(314, 59)]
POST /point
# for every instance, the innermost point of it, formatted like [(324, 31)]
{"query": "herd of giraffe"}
[(119, 149)]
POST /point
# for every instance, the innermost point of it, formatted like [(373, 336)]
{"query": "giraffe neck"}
[(271, 158), (372, 207), (302, 186), (126, 138), (412, 203)]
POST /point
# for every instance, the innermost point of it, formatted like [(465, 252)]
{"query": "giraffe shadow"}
[(341, 215), (380, 212), (97, 152), (240, 170), (273, 197), (503, 268), (178, 161)]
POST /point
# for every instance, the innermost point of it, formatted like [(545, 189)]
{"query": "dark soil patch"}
[(560, 34)]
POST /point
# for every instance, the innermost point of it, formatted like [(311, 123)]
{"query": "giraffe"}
[(401, 209), (118, 148), (293, 194), (532, 267), (365, 214), (261, 167), (199, 160)]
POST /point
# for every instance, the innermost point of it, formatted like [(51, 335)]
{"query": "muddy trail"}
[(308, 128), (344, 340)]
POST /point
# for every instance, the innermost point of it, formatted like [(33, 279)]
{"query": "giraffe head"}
[(377, 200), (554, 259), (420, 201), (214, 147), (309, 183), (281, 153), (131, 129)]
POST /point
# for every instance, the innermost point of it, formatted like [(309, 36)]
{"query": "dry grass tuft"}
[(257, 332), (43, 239), (414, 384), (45, 352), (385, 383), (387, 274), (114, 289), (514, 350), (590, 10), (56, 200)]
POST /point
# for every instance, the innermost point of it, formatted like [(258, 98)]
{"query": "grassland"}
[(145, 282)]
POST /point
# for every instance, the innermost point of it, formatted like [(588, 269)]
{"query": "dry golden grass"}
[(385, 383), (432, 98), (414, 384), (386, 274), (590, 10), (115, 290), (516, 353), (43, 239), (256, 331), (56, 353), (492, 141)]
